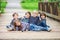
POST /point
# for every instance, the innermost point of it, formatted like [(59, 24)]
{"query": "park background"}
[(8, 7)]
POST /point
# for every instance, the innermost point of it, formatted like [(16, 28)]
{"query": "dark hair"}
[(19, 27), (42, 14), (39, 12), (15, 14), (28, 13)]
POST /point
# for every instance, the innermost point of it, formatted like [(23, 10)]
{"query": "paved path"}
[(14, 6)]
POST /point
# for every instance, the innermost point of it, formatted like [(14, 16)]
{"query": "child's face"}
[(35, 14), (15, 16), (27, 15), (18, 23), (43, 17)]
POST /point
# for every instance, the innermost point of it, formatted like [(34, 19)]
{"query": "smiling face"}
[(43, 16), (27, 15), (35, 14), (15, 15)]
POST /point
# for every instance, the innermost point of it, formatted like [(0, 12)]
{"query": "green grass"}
[(3, 5), (29, 1), (30, 6)]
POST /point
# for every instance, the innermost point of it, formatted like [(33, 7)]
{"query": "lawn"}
[(2, 6), (30, 4)]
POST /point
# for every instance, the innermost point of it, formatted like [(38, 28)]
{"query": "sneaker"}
[(49, 29)]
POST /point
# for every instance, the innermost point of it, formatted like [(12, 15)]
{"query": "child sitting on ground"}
[(42, 22), (25, 20), (21, 26), (26, 17), (41, 26), (16, 24), (15, 17), (34, 18)]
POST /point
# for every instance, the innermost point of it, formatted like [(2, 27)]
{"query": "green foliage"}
[(30, 4), (2, 6), (29, 1)]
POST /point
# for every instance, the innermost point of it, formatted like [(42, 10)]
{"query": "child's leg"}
[(31, 26), (24, 28), (28, 26), (35, 27), (47, 28), (44, 28), (16, 28), (9, 27)]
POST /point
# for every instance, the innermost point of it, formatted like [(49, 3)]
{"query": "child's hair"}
[(42, 14), (39, 12), (19, 27), (28, 13), (15, 14), (35, 11)]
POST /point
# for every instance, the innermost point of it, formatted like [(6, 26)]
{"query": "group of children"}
[(30, 22)]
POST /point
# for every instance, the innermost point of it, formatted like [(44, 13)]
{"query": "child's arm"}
[(43, 22), (11, 23)]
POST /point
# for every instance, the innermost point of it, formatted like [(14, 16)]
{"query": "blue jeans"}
[(34, 27)]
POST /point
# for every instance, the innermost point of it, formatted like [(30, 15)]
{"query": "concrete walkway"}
[(14, 6)]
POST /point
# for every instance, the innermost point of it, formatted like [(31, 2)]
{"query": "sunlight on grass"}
[(30, 6)]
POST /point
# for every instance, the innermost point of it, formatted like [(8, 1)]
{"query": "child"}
[(26, 17), (34, 18), (17, 24), (15, 17), (26, 20), (42, 22), (20, 26)]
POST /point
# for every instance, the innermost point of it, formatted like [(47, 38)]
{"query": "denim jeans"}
[(37, 28)]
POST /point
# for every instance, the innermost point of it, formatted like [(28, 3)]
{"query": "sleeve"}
[(44, 23), (22, 18), (11, 23), (37, 20)]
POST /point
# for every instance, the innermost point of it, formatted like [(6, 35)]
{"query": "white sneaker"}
[(49, 29)]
